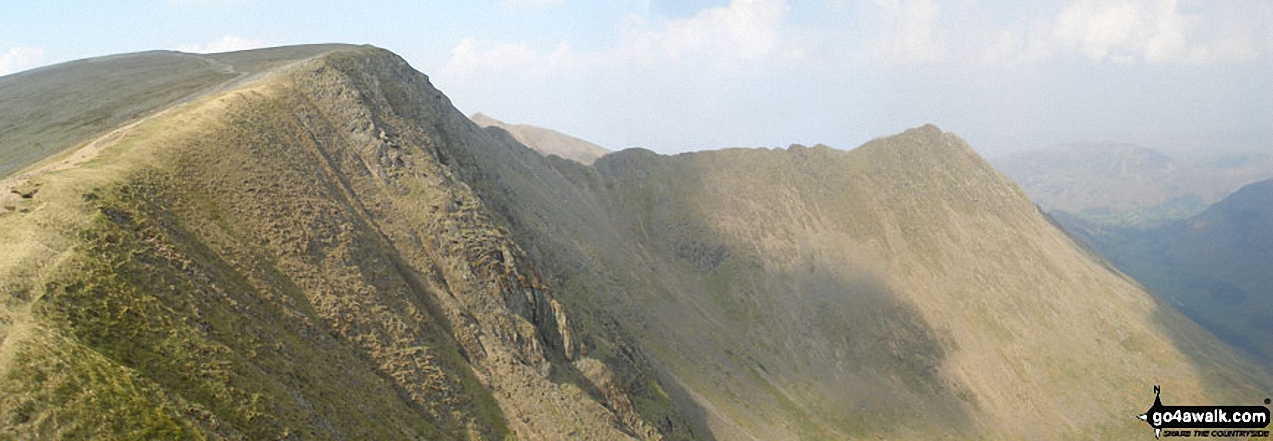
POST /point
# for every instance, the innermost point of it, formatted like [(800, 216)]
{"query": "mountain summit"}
[(326, 248)]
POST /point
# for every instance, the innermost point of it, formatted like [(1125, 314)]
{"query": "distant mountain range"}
[(1217, 266), (313, 243), (1124, 184)]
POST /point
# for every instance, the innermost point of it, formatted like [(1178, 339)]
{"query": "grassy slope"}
[(192, 324), (50, 109), (904, 288)]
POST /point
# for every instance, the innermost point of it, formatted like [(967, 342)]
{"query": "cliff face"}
[(330, 250)]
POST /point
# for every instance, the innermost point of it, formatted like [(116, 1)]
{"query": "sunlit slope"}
[(901, 289), (49, 109), (546, 141), (290, 257)]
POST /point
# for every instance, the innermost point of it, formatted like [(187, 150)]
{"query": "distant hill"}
[(1217, 266), (545, 141), (328, 249), (1124, 184), (50, 109)]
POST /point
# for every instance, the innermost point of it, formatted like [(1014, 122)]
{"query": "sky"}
[(676, 76)]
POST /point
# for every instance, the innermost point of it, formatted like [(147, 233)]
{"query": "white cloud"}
[(206, 2), (1101, 31), (910, 33), (530, 4), (471, 57), (1151, 31), (899, 33), (20, 58), (228, 43), (742, 31)]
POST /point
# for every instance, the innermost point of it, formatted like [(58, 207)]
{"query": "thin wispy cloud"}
[(899, 33), (207, 2), (530, 4), (742, 31), (228, 43), (1118, 32), (472, 56), (910, 33), (17, 59)]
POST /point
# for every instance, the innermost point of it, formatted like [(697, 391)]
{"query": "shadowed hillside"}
[(1217, 266), (331, 250), (814, 293)]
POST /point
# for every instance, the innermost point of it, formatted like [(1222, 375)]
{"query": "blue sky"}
[(688, 75)]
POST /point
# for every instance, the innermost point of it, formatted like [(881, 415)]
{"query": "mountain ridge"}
[(644, 166), (448, 282)]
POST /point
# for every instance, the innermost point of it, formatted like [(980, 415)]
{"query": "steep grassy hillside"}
[(330, 250), (1217, 267), (545, 141), (1128, 185), (289, 258)]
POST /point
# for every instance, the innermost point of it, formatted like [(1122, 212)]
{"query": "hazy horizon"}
[(670, 77)]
